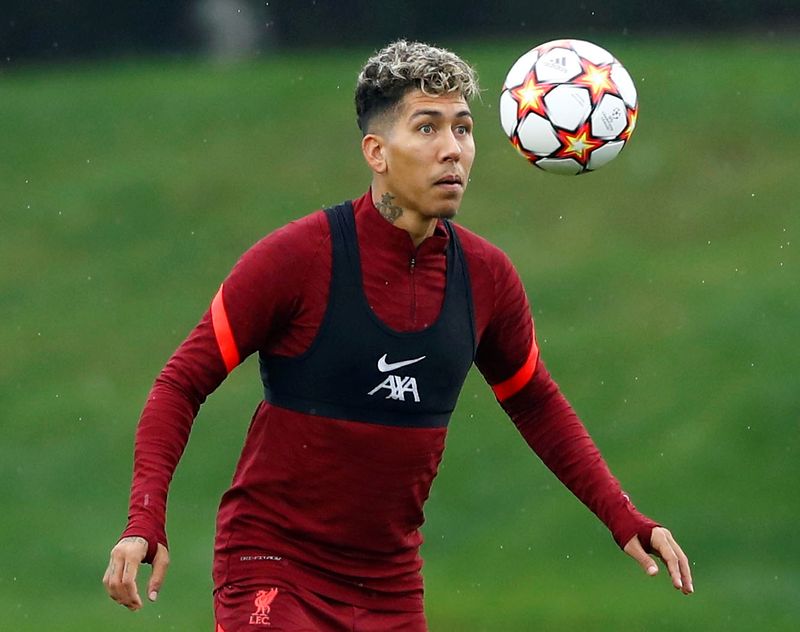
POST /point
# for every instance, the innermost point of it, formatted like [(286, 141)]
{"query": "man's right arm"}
[(193, 371), (191, 374), (249, 309)]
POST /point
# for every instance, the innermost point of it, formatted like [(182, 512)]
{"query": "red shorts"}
[(267, 607)]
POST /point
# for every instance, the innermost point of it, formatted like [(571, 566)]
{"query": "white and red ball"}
[(568, 106)]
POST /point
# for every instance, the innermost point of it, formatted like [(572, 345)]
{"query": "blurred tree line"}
[(63, 29)]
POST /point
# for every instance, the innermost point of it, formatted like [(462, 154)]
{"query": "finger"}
[(160, 564), (636, 551), (684, 566), (662, 546), (106, 575), (122, 582), (129, 572), (113, 577)]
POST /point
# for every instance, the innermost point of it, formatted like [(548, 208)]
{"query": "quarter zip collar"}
[(372, 226)]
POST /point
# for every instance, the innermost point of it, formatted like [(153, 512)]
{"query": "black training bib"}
[(359, 369)]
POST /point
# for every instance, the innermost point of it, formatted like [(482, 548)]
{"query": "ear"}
[(373, 148)]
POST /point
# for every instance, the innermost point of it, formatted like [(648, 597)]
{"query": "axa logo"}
[(397, 385), (262, 603)]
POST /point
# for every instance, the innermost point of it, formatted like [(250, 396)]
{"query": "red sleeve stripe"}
[(222, 331), (512, 385)]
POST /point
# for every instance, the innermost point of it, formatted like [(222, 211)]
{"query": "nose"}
[(451, 149)]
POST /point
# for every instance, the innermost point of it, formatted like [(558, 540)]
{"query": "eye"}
[(463, 130), (427, 128)]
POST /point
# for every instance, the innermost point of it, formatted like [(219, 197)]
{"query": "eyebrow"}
[(438, 114)]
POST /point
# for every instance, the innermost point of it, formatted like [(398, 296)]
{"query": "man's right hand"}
[(120, 577)]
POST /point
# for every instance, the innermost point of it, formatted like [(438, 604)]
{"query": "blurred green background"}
[(666, 291)]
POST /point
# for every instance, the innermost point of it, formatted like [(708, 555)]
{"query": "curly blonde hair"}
[(402, 66)]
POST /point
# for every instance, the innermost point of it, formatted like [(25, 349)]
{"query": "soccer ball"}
[(568, 106)]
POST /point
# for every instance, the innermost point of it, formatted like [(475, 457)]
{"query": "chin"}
[(447, 209), (447, 213)]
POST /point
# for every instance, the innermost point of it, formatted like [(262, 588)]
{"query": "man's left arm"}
[(508, 357)]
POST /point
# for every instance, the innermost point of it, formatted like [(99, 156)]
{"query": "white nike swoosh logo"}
[(384, 366)]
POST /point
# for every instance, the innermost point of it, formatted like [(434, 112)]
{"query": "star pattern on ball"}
[(578, 144), (596, 77), (518, 146), (561, 43), (529, 96), (633, 115)]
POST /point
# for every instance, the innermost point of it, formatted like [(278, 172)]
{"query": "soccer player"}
[(366, 318)]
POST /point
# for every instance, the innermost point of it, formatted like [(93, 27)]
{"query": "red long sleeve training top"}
[(334, 504)]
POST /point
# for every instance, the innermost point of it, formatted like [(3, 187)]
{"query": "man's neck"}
[(418, 226)]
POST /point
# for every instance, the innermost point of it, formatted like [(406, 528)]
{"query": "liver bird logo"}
[(263, 600)]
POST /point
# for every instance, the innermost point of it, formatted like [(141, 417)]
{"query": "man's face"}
[(429, 149)]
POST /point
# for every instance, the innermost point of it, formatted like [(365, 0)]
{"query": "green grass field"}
[(666, 290)]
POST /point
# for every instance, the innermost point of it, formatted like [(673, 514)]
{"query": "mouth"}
[(450, 181)]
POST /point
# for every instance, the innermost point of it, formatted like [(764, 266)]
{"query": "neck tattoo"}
[(388, 209)]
